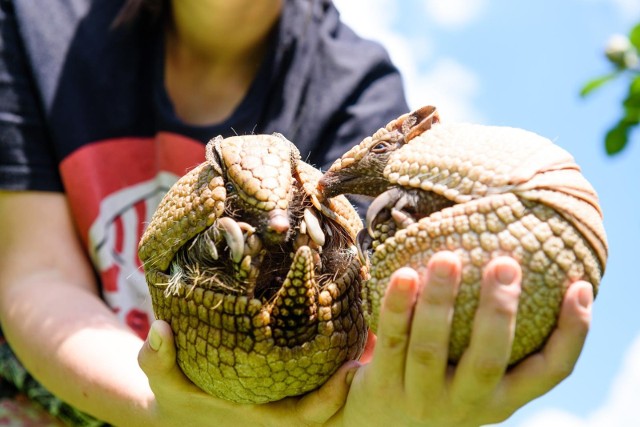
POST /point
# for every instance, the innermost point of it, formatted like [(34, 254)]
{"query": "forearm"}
[(74, 346), (69, 340), (72, 343)]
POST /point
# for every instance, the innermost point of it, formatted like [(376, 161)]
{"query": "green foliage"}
[(634, 36), (624, 55), (597, 82)]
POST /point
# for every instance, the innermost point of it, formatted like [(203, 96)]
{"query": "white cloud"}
[(445, 83), (454, 13), (375, 22), (448, 85), (378, 15), (628, 7), (619, 410)]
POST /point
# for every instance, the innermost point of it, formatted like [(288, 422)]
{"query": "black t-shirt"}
[(83, 110)]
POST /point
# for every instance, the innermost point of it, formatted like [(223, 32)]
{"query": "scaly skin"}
[(480, 192), (259, 280)]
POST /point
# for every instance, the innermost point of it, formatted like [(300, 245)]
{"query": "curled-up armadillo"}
[(481, 192), (259, 281)]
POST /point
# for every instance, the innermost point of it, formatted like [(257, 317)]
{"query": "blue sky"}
[(522, 64)]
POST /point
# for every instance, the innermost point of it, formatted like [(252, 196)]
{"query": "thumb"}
[(323, 403), (157, 357)]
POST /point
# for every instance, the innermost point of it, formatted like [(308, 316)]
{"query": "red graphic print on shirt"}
[(113, 187)]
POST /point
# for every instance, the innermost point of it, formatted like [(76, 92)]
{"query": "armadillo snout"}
[(278, 225)]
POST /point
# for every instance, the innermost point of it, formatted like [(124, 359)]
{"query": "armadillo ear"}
[(212, 153), (295, 153), (419, 121)]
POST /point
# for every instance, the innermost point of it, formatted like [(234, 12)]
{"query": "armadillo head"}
[(258, 171), (360, 170)]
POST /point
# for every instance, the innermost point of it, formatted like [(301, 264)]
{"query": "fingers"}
[(484, 363), (320, 405), (369, 347), (393, 331), (427, 356), (157, 358), (542, 371)]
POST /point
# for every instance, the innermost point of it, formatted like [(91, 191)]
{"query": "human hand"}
[(409, 382), (177, 401)]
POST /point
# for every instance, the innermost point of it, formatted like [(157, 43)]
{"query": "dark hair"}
[(133, 9)]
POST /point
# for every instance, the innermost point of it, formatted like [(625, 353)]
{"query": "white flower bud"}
[(621, 52)]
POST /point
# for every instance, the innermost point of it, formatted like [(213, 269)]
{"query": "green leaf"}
[(635, 84), (591, 85), (632, 101), (617, 138), (634, 36)]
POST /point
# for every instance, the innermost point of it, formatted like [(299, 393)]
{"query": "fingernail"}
[(442, 270), (405, 279), (155, 341), (404, 283), (505, 274), (350, 374), (585, 297)]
